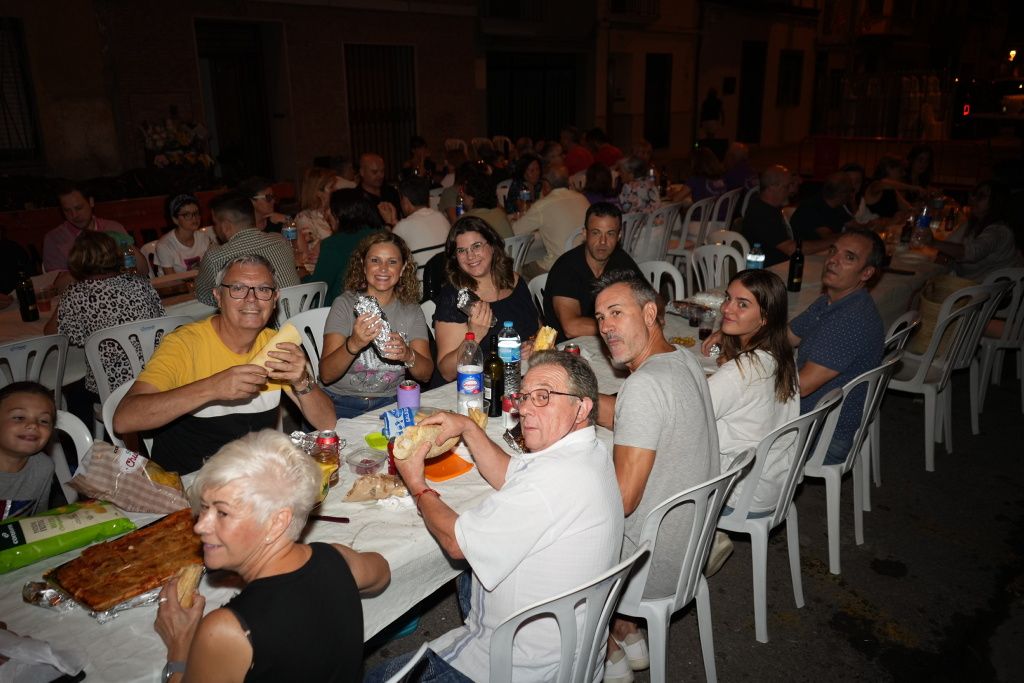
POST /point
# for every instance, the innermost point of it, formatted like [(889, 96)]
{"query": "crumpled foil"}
[(307, 442), (368, 304), (42, 594), (464, 300)]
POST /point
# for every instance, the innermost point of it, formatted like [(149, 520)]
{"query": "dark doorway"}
[(752, 65), (381, 101), (531, 94), (658, 99), (231, 61)]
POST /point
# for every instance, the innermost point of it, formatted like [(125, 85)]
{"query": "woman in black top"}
[(883, 196), (475, 259), (299, 616)]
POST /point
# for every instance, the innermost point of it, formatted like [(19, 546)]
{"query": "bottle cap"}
[(508, 323)]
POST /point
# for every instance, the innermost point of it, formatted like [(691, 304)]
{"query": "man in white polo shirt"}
[(553, 522)]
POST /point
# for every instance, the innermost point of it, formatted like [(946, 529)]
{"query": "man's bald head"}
[(557, 176), (371, 170), (775, 181)]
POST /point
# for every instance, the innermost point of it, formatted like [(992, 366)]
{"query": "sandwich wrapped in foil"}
[(368, 304), (465, 299)]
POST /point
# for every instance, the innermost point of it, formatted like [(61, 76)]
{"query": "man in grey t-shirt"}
[(664, 436)]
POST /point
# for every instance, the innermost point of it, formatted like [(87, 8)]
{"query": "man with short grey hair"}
[(201, 390), (556, 216), (234, 223)]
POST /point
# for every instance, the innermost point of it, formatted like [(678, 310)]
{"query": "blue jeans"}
[(837, 451), (354, 406), (432, 669)]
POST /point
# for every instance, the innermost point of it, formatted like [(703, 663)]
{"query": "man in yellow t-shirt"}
[(199, 390)]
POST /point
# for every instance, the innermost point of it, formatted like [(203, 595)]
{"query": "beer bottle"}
[(796, 268), (27, 298)]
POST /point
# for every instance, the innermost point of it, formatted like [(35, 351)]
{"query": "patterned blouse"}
[(92, 305), (639, 196)]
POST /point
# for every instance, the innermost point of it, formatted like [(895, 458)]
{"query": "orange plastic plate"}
[(445, 467)]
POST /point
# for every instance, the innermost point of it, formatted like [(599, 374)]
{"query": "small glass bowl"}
[(365, 461)]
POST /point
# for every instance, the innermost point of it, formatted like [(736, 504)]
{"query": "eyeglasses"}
[(473, 249), (240, 291), (188, 214), (539, 397), (266, 196)]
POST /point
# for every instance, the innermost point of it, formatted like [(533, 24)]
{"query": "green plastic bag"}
[(27, 540)]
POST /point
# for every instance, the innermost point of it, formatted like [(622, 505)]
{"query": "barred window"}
[(19, 129)]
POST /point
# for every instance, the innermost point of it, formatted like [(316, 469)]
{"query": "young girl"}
[(755, 390), (27, 416)]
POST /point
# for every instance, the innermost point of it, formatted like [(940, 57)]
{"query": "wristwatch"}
[(171, 668), (411, 362), (308, 384)]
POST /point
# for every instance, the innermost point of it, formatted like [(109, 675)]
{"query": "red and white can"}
[(571, 348)]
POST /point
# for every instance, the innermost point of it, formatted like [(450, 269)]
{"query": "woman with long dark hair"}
[(986, 242), (756, 387), (527, 174), (475, 259)]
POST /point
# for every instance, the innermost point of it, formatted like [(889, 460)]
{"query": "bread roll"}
[(545, 339), (188, 582), (410, 440), (287, 333)]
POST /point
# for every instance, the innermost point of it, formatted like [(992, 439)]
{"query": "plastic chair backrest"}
[(133, 338), (502, 191), (477, 143), (417, 657), (873, 383), (110, 407), (422, 257), (1012, 311), (597, 598), (996, 291), (632, 224), (457, 143), (435, 197), (428, 307), (149, 251), (503, 144), (82, 438), (803, 431), (536, 288), (298, 298), (725, 206), (652, 241), (310, 325), (732, 239), (578, 180), (655, 270), (898, 334), (707, 500), (711, 264), (517, 247), (23, 361), (751, 193)]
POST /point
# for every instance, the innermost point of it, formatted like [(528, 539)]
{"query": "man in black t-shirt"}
[(823, 218), (763, 222), (568, 294), (378, 192)]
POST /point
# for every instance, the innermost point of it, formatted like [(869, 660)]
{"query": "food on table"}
[(188, 583), (376, 487), (110, 573), (479, 417), (545, 339), (128, 480), (683, 341), (411, 439), (365, 461), (287, 333)]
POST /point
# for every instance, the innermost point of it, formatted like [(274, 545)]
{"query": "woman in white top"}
[(755, 389), (181, 249), (315, 221)]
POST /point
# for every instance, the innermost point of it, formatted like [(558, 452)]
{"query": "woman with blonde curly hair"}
[(357, 374)]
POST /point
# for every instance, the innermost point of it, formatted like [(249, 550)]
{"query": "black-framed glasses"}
[(240, 291), (188, 214), (539, 397)]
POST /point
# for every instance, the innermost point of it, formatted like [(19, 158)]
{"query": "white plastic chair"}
[(132, 338), (732, 239), (109, 407), (536, 287), (477, 143), (655, 270), (80, 436), (802, 432), (148, 250), (417, 657), (896, 339), (298, 298), (503, 144), (723, 210), (435, 197), (596, 598), (651, 242), (632, 225), (577, 181), (751, 193), (928, 374), (707, 500), (992, 349), (871, 385), (428, 307), (502, 191), (23, 361), (310, 325), (456, 143), (711, 265), (422, 256), (517, 247), (696, 221)]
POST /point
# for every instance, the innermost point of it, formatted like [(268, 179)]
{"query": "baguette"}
[(287, 333), (410, 440), (188, 583), (545, 339)]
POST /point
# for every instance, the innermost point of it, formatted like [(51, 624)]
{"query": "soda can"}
[(571, 348), (409, 394)]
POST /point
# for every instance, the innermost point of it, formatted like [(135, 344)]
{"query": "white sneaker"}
[(635, 647), (721, 549), (616, 668)]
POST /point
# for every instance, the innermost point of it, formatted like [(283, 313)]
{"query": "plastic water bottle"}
[(469, 384), (460, 206), (127, 259), (509, 349), (755, 259), (290, 232)]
